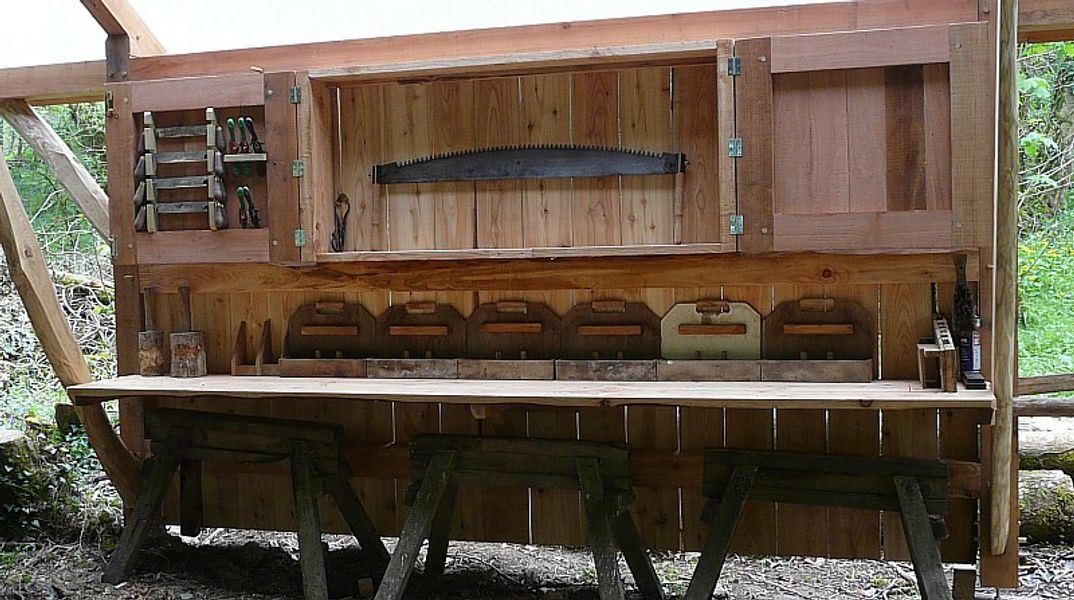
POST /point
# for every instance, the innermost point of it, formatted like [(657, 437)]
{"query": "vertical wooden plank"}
[(866, 97), (497, 115), (753, 114), (656, 509), (725, 165), (906, 316), (998, 570), (645, 121), (281, 127), (595, 122), (318, 152), (855, 533), (556, 514), (362, 144), (802, 530), (452, 130), (411, 207), (504, 512), (546, 203), (810, 143), (937, 104), (752, 429), (697, 132), (120, 139), (905, 108)]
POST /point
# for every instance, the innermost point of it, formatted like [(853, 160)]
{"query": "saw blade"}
[(530, 162)]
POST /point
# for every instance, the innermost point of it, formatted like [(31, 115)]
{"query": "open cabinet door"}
[(847, 142)]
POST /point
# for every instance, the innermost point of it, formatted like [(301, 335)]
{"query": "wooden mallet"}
[(188, 347), (151, 357)]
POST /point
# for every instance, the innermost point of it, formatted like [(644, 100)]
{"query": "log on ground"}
[(1046, 506)]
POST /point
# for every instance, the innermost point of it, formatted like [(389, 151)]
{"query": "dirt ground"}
[(233, 565)]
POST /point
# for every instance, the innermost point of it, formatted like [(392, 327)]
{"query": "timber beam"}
[(74, 177), (118, 18)]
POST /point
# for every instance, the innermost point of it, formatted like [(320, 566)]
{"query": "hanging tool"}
[(244, 146), (339, 232), (530, 162), (232, 145), (248, 215), (255, 142)]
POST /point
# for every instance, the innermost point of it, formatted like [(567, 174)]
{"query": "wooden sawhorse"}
[(601, 471), (917, 489), (182, 439)]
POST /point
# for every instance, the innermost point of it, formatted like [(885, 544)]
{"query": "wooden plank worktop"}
[(874, 395)]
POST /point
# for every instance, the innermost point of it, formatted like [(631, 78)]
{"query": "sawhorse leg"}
[(310, 549), (605, 558), (924, 551), (630, 544), (161, 471), (417, 526), (722, 529), (440, 533), (357, 519)]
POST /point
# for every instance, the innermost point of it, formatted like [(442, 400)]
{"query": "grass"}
[(1046, 292)]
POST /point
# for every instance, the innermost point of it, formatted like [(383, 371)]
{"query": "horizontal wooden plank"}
[(499, 253), (692, 271), (203, 246), (328, 330), (1044, 406), (861, 49), (197, 93), (55, 84), (322, 367), (605, 57), (508, 327), (474, 368), (1044, 384), (846, 371), (717, 24), (886, 394), (850, 231), (712, 329), (422, 330), (616, 330), (818, 329), (1045, 20)]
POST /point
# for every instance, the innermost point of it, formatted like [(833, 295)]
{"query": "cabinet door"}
[(864, 141)]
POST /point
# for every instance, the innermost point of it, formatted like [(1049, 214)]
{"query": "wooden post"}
[(1004, 319), (32, 281)]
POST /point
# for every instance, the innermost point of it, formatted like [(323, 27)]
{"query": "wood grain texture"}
[(120, 138), (546, 119), (498, 122), (697, 131), (595, 122), (866, 96), (281, 125), (753, 89), (853, 50), (362, 144), (411, 207), (645, 123), (905, 117)]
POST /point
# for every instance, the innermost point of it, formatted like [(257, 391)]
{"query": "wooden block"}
[(322, 367), (418, 330), (606, 370), (621, 330), (589, 332), (472, 368), (330, 329), (708, 370), (413, 368), (818, 371), (151, 355), (188, 354), (525, 330), (512, 327)]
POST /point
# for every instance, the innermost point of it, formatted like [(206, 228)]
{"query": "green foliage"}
[(1046, 110)]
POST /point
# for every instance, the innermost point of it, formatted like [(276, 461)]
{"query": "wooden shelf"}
[(888, 395), (246, 158), (506, 253)]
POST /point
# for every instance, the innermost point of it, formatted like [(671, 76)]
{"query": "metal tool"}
[(256, 144), (244, 146), (248, 215), (530, 162), (339, 232)]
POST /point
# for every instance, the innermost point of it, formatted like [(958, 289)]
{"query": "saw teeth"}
[(509, 148)]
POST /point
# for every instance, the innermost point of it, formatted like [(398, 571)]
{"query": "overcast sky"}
[(52, 31)]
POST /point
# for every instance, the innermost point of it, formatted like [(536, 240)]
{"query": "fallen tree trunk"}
[(1046, 443), (1046, 506)]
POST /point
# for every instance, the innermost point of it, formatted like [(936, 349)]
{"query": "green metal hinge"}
[(298, 168), (734, 147), (300, 238), (113, 245), (109, 105), (296, 95), (734, 66), (738, 225)]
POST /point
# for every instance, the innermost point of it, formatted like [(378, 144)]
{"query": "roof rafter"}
[(118, 17)]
